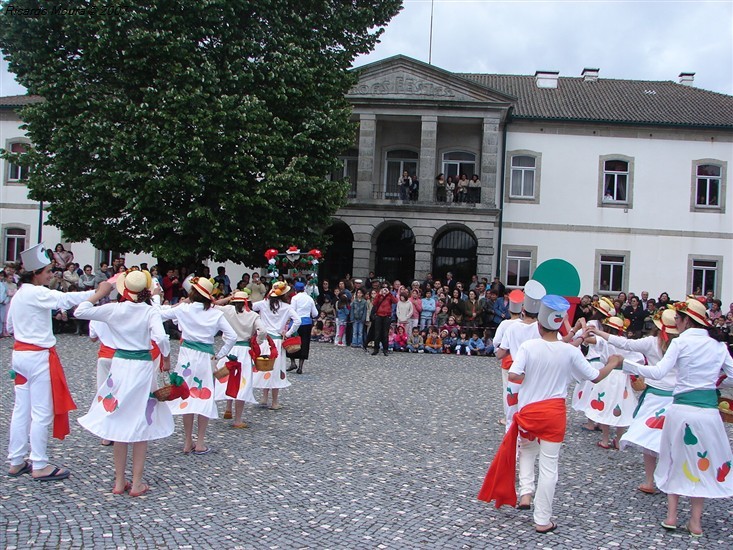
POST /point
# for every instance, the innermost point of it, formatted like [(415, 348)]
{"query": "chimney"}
[(546, 79), (687, 79), (589, 75)]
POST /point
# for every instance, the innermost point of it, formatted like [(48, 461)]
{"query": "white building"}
[(626, 180)]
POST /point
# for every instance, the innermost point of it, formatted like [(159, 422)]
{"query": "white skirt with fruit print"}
[(695, 458), (645, 431), (124, 408), (612, 401), (195, 368)]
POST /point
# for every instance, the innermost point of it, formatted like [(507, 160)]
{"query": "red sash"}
[(544, 420), (62, 400), (235, 378), (105, 352)]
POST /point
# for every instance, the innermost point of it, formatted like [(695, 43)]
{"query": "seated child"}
[(415, 343), (476, 345), (317, 331), (390, 341), (449, 340), (488, 344), (433, 343), (462, 347), (329, 331), (400, 339)]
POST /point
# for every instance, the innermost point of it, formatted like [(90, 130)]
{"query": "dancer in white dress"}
[(695, 457), (613, 401), (275, 313), (124, 409), (99, 332), (246, 323), (645, 431), (199, 323)]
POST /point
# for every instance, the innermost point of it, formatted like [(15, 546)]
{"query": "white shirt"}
[(549, 368), (304, 305), (100, 331), (649, 347), (131, 325), (275, 323), (517, 334), (199, 325), (244, 324), (501, 330), (698, 359), (29, 314)]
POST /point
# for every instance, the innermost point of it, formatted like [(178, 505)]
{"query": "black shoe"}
[(376, 352), (291, 368), (386, 354), (299, 371)]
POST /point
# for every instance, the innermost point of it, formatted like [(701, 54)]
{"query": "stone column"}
[(362, 249), (489, 161), (367, 147), (428, 145)]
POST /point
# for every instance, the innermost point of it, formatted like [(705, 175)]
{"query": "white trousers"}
[(504, 383), (548, 454), (33, 409)]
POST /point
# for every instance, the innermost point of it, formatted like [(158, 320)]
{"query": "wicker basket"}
[(638, 383), (292, 344), (265, 364), (223, 372), (164, 393), (726, 414)]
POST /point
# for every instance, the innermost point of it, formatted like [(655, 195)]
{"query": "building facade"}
[(626, 180)]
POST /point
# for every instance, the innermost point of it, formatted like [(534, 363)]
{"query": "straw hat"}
[(239, 297), (695, 311), (130, 283), (203, 286), (615, 323), (279, 288), (605, 306), (665, 321)]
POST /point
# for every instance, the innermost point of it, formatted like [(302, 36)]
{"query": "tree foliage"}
[(191, 130)]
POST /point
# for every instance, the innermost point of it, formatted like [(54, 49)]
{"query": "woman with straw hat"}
[(124, 410), (645, 431), (694, 456), (246, 324), (280, 321), (612, 402), (199, 323)]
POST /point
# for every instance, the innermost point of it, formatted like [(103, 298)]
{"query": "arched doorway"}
[(338, 257), (395, 257), (455, 251)]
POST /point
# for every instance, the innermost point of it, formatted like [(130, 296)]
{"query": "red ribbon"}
[(62, 400), (235, 378)]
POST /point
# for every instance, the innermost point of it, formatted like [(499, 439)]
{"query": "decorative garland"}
[(292, 260)]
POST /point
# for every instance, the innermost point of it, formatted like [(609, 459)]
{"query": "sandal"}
[(126, 489), (602, 446), (56, 475), (552, 527), (24, 469), (141, 492), (691, 532), (667, 526), (240, 425), (647, 490)]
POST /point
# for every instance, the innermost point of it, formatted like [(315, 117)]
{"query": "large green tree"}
[(192, 130)]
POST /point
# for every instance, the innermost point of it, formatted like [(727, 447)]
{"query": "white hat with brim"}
[(130, 283), (35, 258), (553, 310), (533, 294), (203, 286), (239, 296), (615, 323), (694, 309), (666, 322)]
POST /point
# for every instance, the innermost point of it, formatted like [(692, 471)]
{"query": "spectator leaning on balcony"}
[(404, 184), (440, 188)]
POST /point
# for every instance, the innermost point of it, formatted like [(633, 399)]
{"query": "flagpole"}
[(430, 48)]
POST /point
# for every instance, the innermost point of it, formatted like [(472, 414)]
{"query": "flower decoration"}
[(271, 253)]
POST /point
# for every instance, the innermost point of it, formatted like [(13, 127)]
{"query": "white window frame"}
[(459, 164), (23, 179), (26, 238), (694, 263), (508, 253), (629, 174), (509, 174), (722, 186), (387, 185), (604, 258)]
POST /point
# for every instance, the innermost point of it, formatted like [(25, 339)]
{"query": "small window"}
[(708, 187), (704, 276), (518, 267), (615, 181), (15, 243), (17, 173), (523, 177), (612, 271), (456, 163)]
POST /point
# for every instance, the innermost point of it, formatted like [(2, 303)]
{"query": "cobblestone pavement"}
[(368, 452)]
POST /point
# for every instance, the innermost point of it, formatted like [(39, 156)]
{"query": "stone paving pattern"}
[(368, 452)]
